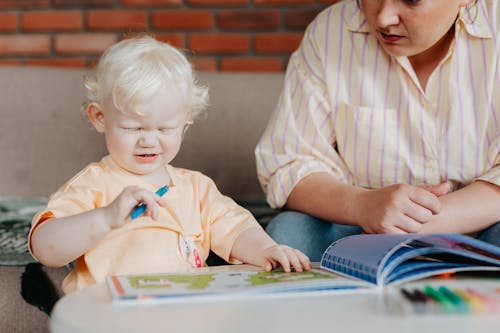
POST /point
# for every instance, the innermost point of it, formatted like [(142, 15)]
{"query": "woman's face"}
[(411, 27)]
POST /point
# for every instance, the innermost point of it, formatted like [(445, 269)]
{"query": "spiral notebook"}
[(356, 263), (395, 259)]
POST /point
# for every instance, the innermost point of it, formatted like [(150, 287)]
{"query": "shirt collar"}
[(475, 20), (354, 18), (174, 176), (134, 180)]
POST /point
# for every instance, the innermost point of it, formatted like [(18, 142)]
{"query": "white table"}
[(90, 310)]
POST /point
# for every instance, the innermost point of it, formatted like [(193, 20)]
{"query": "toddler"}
[(142, 97)]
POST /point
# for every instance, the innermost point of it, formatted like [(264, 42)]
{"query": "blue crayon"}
[(141, 208)]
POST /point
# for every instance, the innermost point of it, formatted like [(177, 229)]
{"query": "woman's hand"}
[(399, 208)]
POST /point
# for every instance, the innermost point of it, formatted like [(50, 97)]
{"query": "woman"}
[(388, 122)]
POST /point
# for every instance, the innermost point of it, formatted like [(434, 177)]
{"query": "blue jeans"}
[(312, 236), (491, 234)]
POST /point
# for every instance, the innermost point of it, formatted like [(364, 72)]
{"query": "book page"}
[(228, 283)]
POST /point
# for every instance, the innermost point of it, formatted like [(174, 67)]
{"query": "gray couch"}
[(44, 140)]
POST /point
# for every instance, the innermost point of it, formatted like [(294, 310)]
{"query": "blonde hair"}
[(132, 71)]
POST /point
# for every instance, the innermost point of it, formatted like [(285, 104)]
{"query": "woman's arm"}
[(470, 209), (393, 209), (300, 137)]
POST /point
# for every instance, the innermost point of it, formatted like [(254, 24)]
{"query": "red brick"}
[(205, 64), (76, 62), (176, 40), (275, 43), (269, 29), (252, 64), (8, 21), (24, 45), (9, 62), (55, 20), (83, 3), (255, 19), (217, 2), (92, 62), (117, 20), (147, 3), (284, 2), (24, 3), (329, 2), (83, 43), (299, 19), (219, 43), (183, 19)]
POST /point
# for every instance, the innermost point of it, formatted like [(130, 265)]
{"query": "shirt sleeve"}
[(492, 175), (226, 220), (71, 199), (300, 138)]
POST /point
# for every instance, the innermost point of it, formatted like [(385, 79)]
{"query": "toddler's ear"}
[(96, 116)]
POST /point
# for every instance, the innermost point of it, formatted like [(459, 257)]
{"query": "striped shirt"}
[(350, 109)]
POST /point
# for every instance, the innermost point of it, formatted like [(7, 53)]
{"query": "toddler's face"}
[(143, 144)]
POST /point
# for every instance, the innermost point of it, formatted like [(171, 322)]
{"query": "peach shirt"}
[(195, 211)]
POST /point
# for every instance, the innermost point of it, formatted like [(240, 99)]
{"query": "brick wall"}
[(218, 35)]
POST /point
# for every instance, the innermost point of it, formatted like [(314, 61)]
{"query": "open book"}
[(354, 263), (394, 259)]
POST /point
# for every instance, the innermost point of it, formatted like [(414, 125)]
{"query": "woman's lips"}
[(389, 38)]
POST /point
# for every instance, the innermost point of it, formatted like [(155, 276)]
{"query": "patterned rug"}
[(15, 222), (16, 214)]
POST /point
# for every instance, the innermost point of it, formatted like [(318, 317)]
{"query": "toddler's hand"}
[(118, 211), (286, 257)]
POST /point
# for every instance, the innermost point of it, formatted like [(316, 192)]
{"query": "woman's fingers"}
[(425, 199)]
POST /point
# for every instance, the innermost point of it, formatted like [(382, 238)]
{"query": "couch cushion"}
[(16, 314), (43, 137)]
